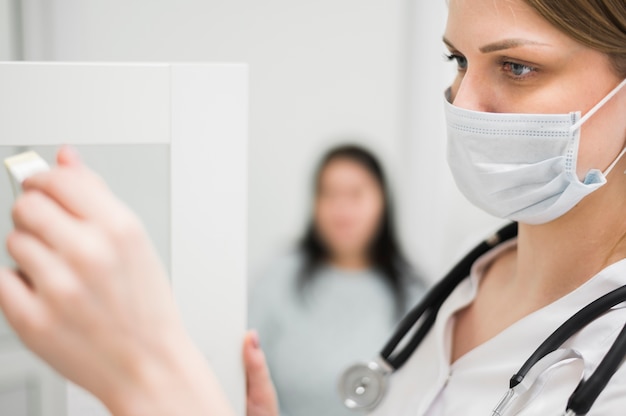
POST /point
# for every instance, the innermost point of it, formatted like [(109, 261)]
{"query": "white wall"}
[(441, 223), (320, 71), (8, 28), (5, 31)]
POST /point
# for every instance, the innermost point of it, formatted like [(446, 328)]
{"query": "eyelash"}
[(504, 63), (453, 57)]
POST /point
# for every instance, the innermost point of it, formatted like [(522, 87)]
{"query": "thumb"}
[(261, 399)]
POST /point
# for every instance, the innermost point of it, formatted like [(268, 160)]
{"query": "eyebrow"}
[(501, 45)]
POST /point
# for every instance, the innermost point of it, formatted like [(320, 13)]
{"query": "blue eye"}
[(461, 61), (518, 70)]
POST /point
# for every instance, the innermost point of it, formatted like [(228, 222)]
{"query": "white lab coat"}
[(427, 385)]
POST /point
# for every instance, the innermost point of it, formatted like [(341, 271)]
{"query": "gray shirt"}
[(310, 337)]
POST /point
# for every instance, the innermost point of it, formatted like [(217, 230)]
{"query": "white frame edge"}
[(203, 203), (192, 107)]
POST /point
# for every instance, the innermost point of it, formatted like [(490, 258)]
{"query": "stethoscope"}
[(363, 386)]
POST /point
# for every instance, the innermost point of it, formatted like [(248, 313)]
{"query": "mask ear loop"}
[(594, 110), (598, 106), (617, 159)]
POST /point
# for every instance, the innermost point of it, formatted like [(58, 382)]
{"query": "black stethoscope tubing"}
[(588, 390), (426, 311), (569, 328)]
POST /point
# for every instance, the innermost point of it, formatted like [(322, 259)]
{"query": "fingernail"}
[(254, 338)]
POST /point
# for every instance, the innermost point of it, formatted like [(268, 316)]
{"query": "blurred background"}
[(321, 72)]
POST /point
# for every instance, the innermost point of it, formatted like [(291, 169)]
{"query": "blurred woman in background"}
[(340, 294)]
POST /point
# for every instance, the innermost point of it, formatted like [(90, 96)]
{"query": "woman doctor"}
[(101, 314)]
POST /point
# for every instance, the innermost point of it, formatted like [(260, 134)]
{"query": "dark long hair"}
[(384, 252)]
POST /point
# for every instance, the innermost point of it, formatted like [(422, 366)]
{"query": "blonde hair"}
[(598, 24)]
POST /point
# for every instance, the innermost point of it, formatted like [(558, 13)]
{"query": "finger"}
[(68, 156), (259, 383), (36, 214), (20, 305), (44, 269), (78, 190)]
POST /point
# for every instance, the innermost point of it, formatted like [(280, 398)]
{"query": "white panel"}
[(103, 104), (203, 122), (209, 129)]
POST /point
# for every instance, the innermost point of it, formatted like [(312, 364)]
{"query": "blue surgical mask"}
[(521, 166)]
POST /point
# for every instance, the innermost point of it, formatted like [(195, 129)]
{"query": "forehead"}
[(344, 170), (473, 23), (343, 167), (490, 9)]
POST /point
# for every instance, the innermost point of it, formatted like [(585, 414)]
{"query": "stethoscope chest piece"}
[(363, 385)]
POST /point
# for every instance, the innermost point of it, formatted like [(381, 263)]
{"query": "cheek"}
[(602, 139), (322, 216), (333, 220), (369, 217)]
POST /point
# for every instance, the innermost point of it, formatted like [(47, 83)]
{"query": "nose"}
[(472, 92)]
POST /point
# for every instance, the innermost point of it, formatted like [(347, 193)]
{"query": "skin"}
[(92, 299), (543, 71), (106, 319), (348, 208)]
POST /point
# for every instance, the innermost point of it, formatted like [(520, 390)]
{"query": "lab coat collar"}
[(523, 335)]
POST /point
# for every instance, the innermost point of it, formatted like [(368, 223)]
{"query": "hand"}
[(261, 396), (92, 298)]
